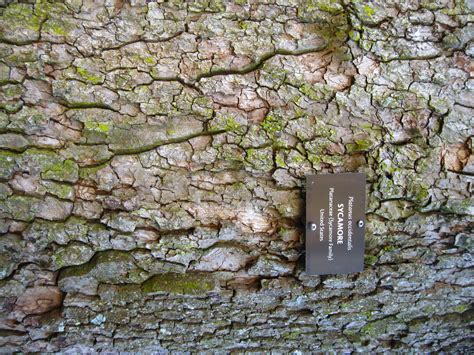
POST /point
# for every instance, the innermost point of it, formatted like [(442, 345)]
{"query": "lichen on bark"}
[(152, 174)]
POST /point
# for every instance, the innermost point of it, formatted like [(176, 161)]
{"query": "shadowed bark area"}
[(152, 167)]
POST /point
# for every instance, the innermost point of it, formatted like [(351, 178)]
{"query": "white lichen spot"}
[(98, 319)]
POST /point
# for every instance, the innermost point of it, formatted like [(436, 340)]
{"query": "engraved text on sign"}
[(335, 215)]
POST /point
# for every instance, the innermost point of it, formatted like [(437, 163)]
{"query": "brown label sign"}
[(335, 223)]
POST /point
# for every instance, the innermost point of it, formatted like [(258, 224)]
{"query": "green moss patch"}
[(179, 283), (89, 76), (22, 208), (22, 14), (66, 170)]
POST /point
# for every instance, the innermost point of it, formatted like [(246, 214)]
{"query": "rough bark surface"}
[(152, 168)]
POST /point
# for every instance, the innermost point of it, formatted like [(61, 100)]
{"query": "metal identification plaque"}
[(335, 223)]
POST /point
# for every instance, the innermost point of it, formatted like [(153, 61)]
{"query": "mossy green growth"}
[(315, 160), (334, 160), (19, 14), (273, 125), (354, 35), (27, 119), (66, 170), (175, 283), (382, 327), (330, 6), (103, 132), (360, 145), (124, 294), (44, 15), (328, 18), (317, 91), (136, 58), (386, 166), (459, 206), (51, 165), (461, 308), (74, 254), (243, 25), (90, 77), (388, 188), (232, 156), (421, 193), (366, 44), (368, 314), (459, 8), (103, 127), (22, 208), (63, 191), (369, 11), (216, 5), (224, 122), (90, 172), (57, 27), (295, 334), (105, 266), (370, 259), (297, 158), (451, 41), (60, 232), (49, 8), (260, 159), (149, 60), (76, 271), (233, 126), (375, 328), (26, 55), (40, 157), (171, 131), (309, 92), (12, 91), (203, 106), (4, 120), (280, 161), (388, 248)]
